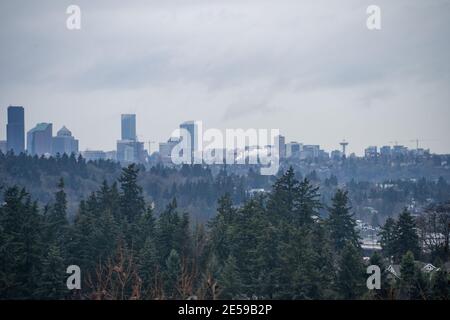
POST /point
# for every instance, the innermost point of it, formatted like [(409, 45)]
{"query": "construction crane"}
[(417, 141), (395, 143), (140, 137), (421, 140)]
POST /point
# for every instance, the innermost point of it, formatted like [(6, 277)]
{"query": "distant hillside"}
[(197, 188)]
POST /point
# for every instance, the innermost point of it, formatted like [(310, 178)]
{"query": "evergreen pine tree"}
[(351, 278), (220, 228), (341, 224), (103, 196), (148, 267), (245, 237), (21, 247), (132, 202), (166, 228), (387, 238), (308, 203), (440, 288), (57, 241), (115, 202), (182, 237), (57, 223), (106, 234), (283, 199), (322, 269), (408, 275), (229, 279), (297, 264), (172, 275), (144, 229), (267, 259), (406, 238), (85, 232), (52, 280), (385, 286)]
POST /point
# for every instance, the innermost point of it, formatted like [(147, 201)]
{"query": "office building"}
[(399, 151), (93, 155), (323, 155), (192, 128), (310, 152), (111, 155), (385, 151), (165, 149), (39, 139), (336, 155), (280, 143), (129, 127), (371, 152), (419, 152), (15, 130), (64, 142), (130, 151), (293, 149)]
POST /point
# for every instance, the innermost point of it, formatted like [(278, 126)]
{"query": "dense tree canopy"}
[(274, 245)]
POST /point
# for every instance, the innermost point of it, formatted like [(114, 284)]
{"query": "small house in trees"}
[(394, 270), (395, 273), (429, 268)]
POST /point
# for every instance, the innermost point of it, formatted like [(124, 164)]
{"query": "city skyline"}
[(261, 151), (129, 149), (312, 70)]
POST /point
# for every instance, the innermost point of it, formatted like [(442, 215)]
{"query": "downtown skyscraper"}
[(129, 127), (129, 149), (15, 129), (39, 139), (192, 128), (64, 143)]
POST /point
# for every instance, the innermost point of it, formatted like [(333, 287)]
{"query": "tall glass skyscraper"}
[(129, 127), (130, 150), (39, 139), (192, 128), (15, 130)]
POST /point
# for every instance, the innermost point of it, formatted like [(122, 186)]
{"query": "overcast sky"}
[(309, 68)]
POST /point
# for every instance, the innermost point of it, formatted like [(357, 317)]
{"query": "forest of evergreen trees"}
[(272, 246), (198, 187)]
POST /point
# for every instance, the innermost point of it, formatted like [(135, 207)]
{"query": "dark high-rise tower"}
[(15, 130), (192, 128)]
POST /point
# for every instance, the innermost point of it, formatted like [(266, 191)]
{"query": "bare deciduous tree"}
[(117, 279), (434, 229)]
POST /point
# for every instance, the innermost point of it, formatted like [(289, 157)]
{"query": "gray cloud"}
[(311, 68)]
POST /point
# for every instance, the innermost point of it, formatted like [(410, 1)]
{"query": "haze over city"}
[(223, 158), (312, 70)]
